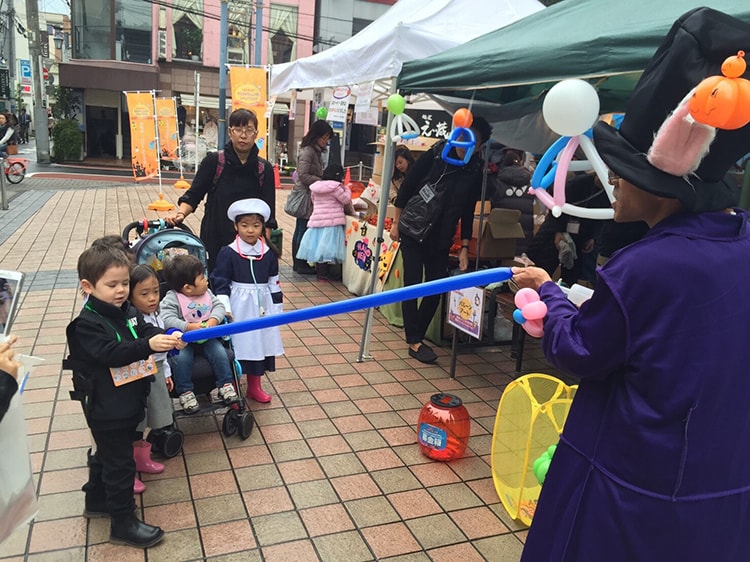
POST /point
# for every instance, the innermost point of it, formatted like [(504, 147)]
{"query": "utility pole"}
[(258, 32), (222, 138), (35, 53)]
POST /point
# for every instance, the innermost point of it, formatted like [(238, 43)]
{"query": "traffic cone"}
[(348, 177), (276, 176)]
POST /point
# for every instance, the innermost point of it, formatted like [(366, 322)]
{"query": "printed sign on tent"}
[(249, 91), (465, 310), (144, 156), (364, 97), (337, 109)]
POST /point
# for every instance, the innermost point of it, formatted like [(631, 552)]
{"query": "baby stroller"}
[(154, 242)]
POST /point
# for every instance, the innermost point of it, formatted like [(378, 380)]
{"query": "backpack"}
[(220, 169)]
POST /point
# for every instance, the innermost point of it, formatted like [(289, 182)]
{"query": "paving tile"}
[(267, 501), (300, 471), (368, 512), (390, 540), (355, 486), (312, 494), (290, 450), (503, 548), (363, 440), (347, 546), (218, 509), (178, 545), (66, 555), (326, 520), (280, 432), (455, 496), (170, 517), (249, 456), (58, 535), (435, 530), (296, 550), (212, 484), (107, 551), (55, 481), (463, 551), (317, 428), (379, 459), (223, 538), (434, 474), (166, 491), (211, 461), (258, 477), (59, 506), (341, 465), (414, 503), (203, 442), (329, 445), (278, 528), (395, 480)]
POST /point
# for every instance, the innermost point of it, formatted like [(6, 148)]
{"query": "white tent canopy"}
[(409, 30)]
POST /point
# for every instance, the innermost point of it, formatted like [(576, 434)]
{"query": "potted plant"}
[(192, 41)]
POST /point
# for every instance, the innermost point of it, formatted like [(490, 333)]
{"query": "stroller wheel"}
[(230, 424), (246, 423), (172, 441)]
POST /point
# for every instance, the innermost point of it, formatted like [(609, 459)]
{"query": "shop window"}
[(187, 29), (92, 29), (133, 25), (283, 34)]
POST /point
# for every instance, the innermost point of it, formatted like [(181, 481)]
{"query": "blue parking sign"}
[(25, 68)]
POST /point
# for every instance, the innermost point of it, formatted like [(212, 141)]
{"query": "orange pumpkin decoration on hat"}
[(723, 101)]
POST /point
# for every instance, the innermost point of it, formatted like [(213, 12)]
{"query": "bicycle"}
[(15, 169)]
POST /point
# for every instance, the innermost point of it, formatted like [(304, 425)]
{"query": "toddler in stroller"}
[(156, 245)]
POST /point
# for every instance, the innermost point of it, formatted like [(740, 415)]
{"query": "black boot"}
[(95, 502), (298, 265), (322, 271), (129, 530)]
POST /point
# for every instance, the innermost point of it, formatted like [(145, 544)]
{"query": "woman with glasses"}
[(223, 178)]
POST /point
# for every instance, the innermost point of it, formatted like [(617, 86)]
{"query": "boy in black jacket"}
[(108, 335)]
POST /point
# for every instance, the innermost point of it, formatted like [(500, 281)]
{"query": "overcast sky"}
[(54, 6)]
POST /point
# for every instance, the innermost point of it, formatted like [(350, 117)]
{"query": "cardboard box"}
[(487, 208), (500, 229)]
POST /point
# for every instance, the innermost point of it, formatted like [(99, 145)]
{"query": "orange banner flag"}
[(249, 91), (166, 119), (143, 152)]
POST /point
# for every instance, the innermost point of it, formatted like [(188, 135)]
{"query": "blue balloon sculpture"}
[(454, 140), (439, 286)]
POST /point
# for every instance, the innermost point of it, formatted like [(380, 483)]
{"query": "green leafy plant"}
[(66, 103), (67, 141), (192, 40), (19, 98)]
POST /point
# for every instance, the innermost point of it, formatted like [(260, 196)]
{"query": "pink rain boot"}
[(143, 462), (138, 486), (254, 390)]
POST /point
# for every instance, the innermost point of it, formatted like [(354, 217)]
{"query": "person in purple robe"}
[(654, 459)]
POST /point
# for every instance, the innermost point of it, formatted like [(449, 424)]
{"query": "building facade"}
[(171, 45)]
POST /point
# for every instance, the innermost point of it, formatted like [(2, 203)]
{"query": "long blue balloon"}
[(474, 279)]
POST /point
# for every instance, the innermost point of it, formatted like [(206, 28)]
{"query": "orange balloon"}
[(722, 102), (463, 118)]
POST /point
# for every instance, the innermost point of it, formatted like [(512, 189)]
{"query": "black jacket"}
[(464, 189), (237, 181), (94, 348)]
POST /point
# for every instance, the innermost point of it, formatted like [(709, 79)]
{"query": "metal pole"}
[(258, 32), (388, 149), (222, 133), (35, 54), (3, 195), (197, 95)]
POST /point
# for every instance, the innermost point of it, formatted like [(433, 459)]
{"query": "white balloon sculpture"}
[(570, 109)]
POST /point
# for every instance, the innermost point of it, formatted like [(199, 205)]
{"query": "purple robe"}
[(654, 460)]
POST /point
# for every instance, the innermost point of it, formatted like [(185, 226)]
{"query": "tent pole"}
[(388, 149), (486, 158)]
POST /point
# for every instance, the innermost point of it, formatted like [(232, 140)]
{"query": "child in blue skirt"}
[(323, 242)]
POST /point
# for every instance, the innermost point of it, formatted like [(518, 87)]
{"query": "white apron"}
[(246, 300)]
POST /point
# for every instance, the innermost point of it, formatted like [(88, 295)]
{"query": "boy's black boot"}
[(95, 503), (129, 530), (322, 271)]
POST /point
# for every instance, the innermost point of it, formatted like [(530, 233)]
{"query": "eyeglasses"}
[(243, 131)]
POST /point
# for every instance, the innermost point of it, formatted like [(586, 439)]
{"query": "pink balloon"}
[(543, 196), (525, 296), (562, 170), (535, 328), (534, 310)]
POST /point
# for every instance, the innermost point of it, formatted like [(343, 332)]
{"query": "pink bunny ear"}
[(681, 142)]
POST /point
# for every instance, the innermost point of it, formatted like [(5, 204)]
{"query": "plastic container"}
[(443, 428)]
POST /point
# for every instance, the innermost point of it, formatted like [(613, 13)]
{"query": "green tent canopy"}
[(607, 42)]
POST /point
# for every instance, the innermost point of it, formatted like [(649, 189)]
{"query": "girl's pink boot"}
[(143, 462), (254, 390)]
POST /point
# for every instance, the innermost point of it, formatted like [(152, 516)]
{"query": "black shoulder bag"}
[(422, 211)]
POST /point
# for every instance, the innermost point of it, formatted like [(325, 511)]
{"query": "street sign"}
[(24, 67), (4, 83), (45, 74)]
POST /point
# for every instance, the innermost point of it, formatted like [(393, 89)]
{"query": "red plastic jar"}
[(443, 427)]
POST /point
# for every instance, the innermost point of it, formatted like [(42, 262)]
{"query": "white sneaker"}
[(188, 402), (227, 393)]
